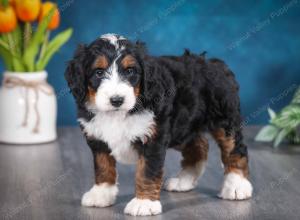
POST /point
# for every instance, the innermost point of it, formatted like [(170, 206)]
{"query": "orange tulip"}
[(8, 19), (28, 10), (55, 20), (12, 3)]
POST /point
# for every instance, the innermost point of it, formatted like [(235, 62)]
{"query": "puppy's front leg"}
[(105, 190), (149, 174)]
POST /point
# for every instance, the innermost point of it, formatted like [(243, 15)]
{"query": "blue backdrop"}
[(259, 40)]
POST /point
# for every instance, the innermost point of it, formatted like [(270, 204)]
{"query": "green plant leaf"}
[(53, 47), (4, 44), (267, 133), (288, 117), (293, 137), (32, 50), (292, 115), (17, 36), (272, 114), (7, 58), (5, 54), (281, 135), (296, 98), (4, 3), (8, 44)]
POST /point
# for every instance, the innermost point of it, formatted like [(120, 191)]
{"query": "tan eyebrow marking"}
[(101, 62), (128, 61)]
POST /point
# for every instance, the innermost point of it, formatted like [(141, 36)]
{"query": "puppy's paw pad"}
[(179, 184), (236, 187), (102, 195), (143, 207)]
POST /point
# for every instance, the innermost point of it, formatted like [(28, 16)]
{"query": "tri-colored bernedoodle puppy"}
[(132, 107)]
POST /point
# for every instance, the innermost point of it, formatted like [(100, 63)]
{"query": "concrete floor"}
[(47, 182)]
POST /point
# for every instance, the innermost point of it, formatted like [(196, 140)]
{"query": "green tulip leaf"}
[(52, 47), (33, 47), (12, 59), (7, 59)]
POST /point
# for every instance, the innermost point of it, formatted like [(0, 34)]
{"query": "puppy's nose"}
[(116, 101)]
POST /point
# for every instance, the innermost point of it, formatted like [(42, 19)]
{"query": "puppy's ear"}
[(153, 86), (75, 75)]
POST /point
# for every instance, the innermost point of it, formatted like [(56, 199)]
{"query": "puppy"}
[(132, 107)]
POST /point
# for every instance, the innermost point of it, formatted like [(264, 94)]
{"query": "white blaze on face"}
[(112, 86), (113, 39)]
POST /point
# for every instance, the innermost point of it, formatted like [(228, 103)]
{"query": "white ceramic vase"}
[(28, 109)]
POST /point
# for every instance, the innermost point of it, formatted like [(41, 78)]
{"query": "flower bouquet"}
[(28, 103)]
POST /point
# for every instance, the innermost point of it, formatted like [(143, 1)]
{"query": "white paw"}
[(186, 180), (235, 187), (102, 195), (179, 184), (143, 207)]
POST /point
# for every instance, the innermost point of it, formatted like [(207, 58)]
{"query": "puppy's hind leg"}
[(236, 185), (193, 166)]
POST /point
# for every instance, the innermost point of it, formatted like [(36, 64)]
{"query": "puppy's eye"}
[(99, 73), (130, 71)]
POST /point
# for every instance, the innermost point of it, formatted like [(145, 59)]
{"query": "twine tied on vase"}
[(36, 86)]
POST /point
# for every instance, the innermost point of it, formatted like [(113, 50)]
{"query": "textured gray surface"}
[(47, 181)]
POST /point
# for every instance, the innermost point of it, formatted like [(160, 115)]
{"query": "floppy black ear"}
[(147, 83), (75, 75), (155, 85)]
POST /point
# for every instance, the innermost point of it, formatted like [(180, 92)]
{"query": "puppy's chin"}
[(113, 110)]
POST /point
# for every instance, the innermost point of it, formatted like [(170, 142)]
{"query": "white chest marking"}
[(118, 130)]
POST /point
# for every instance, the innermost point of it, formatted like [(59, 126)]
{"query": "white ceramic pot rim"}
[(39, 75)]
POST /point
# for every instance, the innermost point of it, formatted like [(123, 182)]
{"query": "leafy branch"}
[(284, 125)]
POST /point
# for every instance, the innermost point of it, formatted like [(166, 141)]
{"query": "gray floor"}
[(47, 181)]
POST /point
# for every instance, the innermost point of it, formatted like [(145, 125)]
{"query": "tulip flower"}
[(12, 3), (27, 10), (55, 20), (8, 19), (22, 48)]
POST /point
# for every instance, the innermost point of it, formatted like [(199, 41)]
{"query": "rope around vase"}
[(36, 86)]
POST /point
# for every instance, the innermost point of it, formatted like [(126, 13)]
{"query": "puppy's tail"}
[(202, 56)]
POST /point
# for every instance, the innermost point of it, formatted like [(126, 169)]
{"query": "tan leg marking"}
[(105, 169), (147, 188), (232, 162), (105, 191), (236, 185), (195, 152), (147, 193)]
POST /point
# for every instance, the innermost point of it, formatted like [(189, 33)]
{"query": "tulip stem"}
[(11, 42), (45, 44), (9, 47), (16, 62), (4, 44), (27, 34)]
